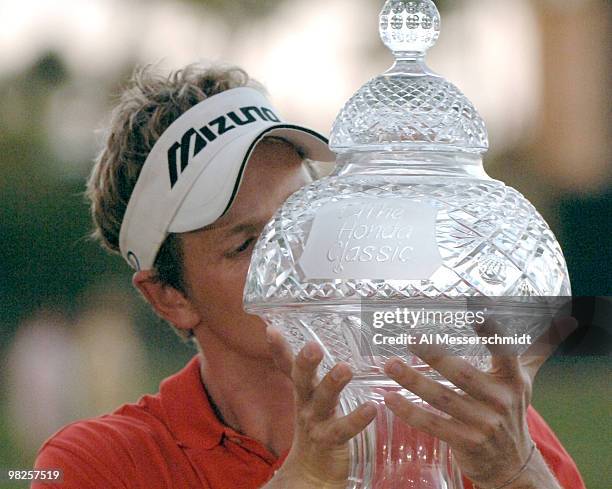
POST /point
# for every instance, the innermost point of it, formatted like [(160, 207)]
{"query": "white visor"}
[(192, 175)]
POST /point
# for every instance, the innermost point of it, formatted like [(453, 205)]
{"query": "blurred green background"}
[(76, 340)]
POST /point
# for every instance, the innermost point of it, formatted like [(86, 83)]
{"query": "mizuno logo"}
[(194, 140)]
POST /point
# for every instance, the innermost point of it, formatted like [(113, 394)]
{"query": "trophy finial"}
[(409, 26)]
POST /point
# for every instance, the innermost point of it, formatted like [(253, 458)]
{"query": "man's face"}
[(216, 259)]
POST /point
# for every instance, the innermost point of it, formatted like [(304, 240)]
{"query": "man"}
[(172, 192)]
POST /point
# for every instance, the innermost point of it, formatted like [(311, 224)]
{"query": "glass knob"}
[(409, 26)]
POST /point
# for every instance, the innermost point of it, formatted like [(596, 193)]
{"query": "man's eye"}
[(244, 246)]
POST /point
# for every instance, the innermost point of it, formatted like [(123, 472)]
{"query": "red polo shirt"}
[(174, 440)]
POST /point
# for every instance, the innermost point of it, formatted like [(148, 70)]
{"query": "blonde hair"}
[(150, 103)]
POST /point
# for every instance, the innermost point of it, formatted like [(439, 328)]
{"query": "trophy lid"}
[(409, 107)]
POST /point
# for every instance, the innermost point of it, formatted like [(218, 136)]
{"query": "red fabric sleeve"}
[(110, 452), (85, 455), (77, 472)]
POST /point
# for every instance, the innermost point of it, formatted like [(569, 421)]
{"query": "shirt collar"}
[(190, 416)]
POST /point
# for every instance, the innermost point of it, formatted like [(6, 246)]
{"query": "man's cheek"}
[(240, 270), (229, 286)]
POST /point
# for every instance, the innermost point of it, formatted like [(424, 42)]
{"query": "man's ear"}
[(168, 302)]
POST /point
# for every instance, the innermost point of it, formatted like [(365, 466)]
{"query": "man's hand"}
[(319, 456), (486, 424)]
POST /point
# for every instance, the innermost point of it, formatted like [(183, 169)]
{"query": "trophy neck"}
[(411, 163)]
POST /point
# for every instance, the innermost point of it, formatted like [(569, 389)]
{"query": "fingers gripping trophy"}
[(408, 216)]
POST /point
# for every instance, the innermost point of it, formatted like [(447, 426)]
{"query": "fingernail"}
[(395, 368), (368, 410), (391, 400), (337, 374), (310, 352), (269, 335)]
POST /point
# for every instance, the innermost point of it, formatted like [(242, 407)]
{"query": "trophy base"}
[(389, 454)]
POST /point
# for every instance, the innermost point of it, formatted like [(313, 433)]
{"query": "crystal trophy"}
[(409, 214)]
